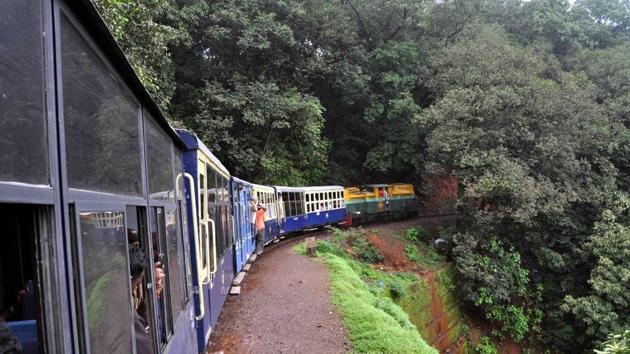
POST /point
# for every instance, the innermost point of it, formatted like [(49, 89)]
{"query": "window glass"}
[(226, 214), (107, 288), (158, 161), (101, 121), (23, 140), (202, 219), (160, 257), (214, 213), (176, 269), (300, 205), (285, 200), (228, 224)]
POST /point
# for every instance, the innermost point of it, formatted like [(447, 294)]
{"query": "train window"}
[(227, 213), (215, 213), (158, 161), (101, 121), (301, 203), (176, 267), (22, 112), (285, 201), (21, 278), (202, 219), (106, 281), (160, 257), (291, 203)]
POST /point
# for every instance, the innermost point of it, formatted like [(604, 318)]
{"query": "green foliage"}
[(374, 323), (486, 346), (412, 252), (300, 248), (325, 246), (396, 288), (366, 251), (494, 280), (605, 309), (361, 247), (145, 29), (417, 235), (616, 344)]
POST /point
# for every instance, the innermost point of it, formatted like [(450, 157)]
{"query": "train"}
[(121, 233)]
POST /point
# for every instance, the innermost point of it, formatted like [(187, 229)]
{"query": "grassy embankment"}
[(362, 294)]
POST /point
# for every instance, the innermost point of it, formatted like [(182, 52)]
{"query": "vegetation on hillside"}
[(526, 103)]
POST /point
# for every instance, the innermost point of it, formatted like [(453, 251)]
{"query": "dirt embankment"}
[(284, 307)]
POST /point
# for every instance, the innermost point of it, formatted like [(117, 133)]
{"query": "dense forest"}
[(525, 103)]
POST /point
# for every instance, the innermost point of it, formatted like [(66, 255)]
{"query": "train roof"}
[(192, 142), (242, 181), (89, 17), (263, 187), (289, 189), (375, 185), (321, 188)]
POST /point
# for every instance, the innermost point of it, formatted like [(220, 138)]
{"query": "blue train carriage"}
[(324, 205), (268, 198), (210, 230), (291, 202), (242, 222), (90, 178)]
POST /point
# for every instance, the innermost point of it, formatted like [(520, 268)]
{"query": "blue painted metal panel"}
[(184, 339), (293, 223), (320, 218), (244, 243), (271, 230)]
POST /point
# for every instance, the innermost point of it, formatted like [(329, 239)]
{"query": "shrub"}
[(486, 346), (417, 235), (616, 344), (396, 289), (412, 252), (365, 251)]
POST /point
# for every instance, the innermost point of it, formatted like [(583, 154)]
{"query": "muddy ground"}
[(284, 307)]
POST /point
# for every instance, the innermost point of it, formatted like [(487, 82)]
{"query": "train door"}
[(237, 222), (205, 256), (24, 265), (247, 225), (214, 214)]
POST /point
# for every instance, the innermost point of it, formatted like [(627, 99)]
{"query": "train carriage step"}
[(252, 259), (246, 267), (238, 279), (235, 290)]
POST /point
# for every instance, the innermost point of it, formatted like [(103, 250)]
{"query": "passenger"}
[(137, 261), (260, 228), (9, 344)]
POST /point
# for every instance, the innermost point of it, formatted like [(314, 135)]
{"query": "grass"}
[(374, 323), (384, 311)]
